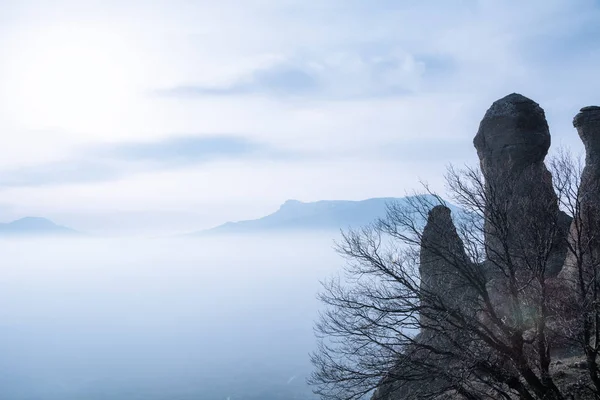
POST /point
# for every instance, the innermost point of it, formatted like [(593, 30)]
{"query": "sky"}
[(178, 115)]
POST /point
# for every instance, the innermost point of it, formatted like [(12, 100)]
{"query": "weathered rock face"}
[(512, 136), (587, 123), (442, 255), (512, 142), (587, 226)]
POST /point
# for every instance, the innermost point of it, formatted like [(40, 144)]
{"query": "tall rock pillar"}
[(512, 142), (587, 123), (443, 265), (586, 227)]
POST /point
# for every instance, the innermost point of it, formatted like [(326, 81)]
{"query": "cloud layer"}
[(319, 99), (115, 161), (343, 76)]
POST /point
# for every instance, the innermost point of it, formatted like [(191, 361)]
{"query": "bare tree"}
[(580, 306), (468, 306)]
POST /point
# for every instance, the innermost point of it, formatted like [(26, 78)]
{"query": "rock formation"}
[(444, 267), (512, 137), (586, 226), (512, 142), (443, 262)]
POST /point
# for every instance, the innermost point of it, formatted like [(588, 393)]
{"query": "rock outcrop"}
[(443, 262), (512, 142), (444, 267), (521, 216), (512, 137), (586, 226)]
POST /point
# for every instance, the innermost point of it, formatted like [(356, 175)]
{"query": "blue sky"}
[(223, 110)]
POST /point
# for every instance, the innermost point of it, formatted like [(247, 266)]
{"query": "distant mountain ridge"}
[(34, 226), (319, 215)]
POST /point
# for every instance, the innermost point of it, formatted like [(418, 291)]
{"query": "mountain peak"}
[(330, 215), (291, 202), (33, 221), (33, 226)]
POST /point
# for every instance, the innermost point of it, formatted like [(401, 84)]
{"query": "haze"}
[(134, 122), (160, 319), (128, 117)]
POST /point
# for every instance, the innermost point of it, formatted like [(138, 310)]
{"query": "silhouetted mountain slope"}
[(320, 215), (34, 226)]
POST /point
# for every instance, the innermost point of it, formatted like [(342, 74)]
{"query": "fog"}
[(202, 318)]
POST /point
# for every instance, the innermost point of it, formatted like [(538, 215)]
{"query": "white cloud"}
[(387, 74)]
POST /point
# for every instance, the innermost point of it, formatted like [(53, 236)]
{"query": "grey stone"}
[(443, 261), (513, 135), (587, 123), (512, 141), (587, 225), (442, 251)]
